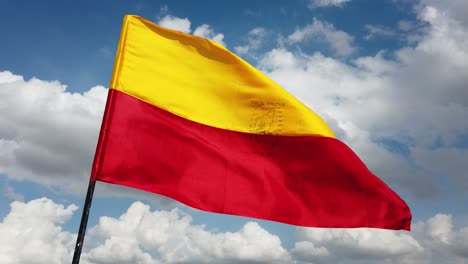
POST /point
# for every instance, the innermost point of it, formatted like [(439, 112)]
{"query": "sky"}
[(390, 78)]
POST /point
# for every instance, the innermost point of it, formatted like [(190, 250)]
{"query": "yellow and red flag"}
[(188, 119)]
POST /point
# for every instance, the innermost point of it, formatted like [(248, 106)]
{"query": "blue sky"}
[(389, 77), (76, 40)]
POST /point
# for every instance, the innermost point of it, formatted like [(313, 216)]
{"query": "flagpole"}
[(84, 222)]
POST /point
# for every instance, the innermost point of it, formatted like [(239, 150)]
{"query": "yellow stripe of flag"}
[(217, 88)]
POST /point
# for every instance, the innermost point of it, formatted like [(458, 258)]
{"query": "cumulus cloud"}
[(176, 23), (205, 31), (455, 9), (47, 135), (432, 241), (32, 231), (340, 41), (184, 25), (357, 244), (327, 3), (442, 243), (172, 236)]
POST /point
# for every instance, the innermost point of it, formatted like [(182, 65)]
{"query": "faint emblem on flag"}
[(267, 121)]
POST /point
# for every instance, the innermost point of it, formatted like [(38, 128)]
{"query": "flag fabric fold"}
[(188, 119)]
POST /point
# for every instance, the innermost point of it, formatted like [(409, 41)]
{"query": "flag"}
[(188, 119)]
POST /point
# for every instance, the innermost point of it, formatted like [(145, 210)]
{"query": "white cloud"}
[(176, 23), (455, 9), (306, 250), (357, 244), (184, 24), (340, 41), (47, 134), (32, 233), (327, 3), (205, 31), (438, 228), (171, 236), (433, 241), (441, 242)]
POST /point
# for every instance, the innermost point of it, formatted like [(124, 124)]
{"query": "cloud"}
[(48, 135), (184, 24), (327, 3), (340, 41), (173, 237), (205, 31), (33, 231), (455, 9), (432, 241), (176, 23), (441, 242), (357, 244)]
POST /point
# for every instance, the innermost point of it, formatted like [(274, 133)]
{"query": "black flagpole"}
[(84, 222), (92, 182)]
